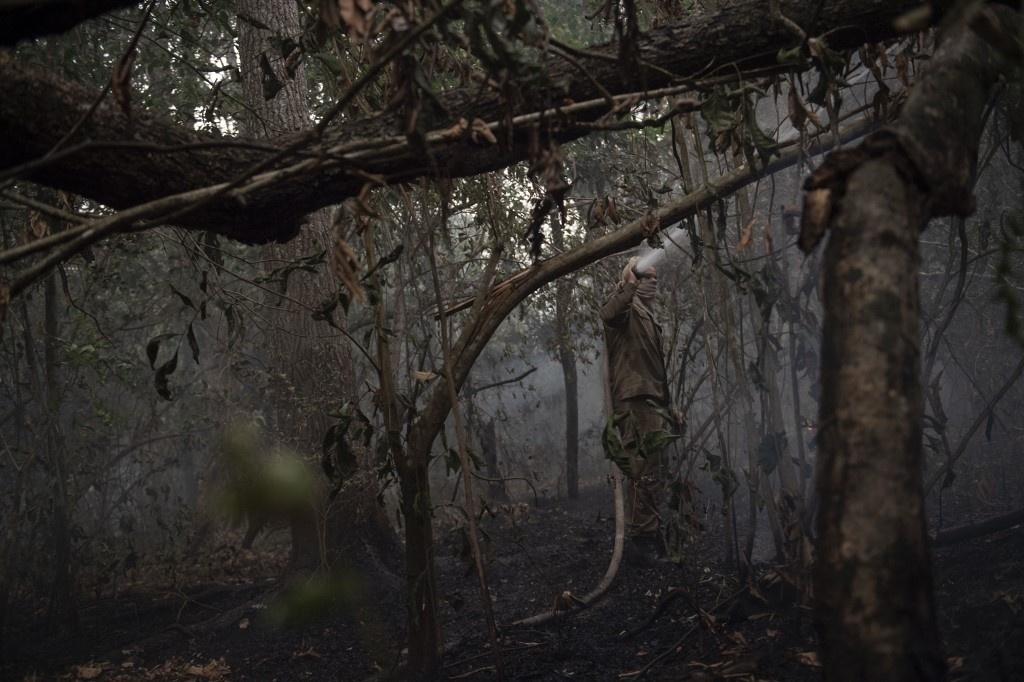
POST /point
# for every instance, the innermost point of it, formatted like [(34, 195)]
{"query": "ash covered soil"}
[(689, 621)]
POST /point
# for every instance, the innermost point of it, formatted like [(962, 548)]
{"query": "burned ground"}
[(689, 621)]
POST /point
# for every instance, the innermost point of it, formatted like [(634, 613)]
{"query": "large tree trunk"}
[(873, 580), (146, 158), (350, 530)]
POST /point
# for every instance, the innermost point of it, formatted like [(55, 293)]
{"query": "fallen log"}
[(976, 530)]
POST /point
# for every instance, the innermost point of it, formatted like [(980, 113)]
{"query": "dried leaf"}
[(120, 82), (612, 211), (89, 671), (747, 237), (809, 658), (455, 131), (345, 266), (915, 20), (481, 131), (816, 215), (797, 111), (38, 227), (903, 69), (356, 15), (596, 213), (650, 225), (880, 103), (214, 670)]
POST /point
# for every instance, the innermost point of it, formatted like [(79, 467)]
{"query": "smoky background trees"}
[(455, 217)]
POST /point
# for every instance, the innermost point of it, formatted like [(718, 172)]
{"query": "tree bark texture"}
[(129, 162), (350, 530), (873, 578), (873, 582)]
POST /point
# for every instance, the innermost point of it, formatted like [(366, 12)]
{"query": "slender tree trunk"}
[(420, 573), (489, 445), (572, 422), (63, 611), (567, 358)]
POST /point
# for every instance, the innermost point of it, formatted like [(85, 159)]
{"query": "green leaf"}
[(614, 449)]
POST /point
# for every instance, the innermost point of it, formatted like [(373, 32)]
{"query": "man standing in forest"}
[(640, 401)]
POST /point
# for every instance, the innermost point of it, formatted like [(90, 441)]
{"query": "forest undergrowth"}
[(691, 621)]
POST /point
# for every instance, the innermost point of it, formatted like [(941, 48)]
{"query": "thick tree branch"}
[(163, 159)]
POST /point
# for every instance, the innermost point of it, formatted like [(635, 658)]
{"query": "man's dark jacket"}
[(636, 365)]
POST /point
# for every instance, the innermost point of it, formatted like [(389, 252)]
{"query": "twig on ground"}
[(471, 673), (659, 658)]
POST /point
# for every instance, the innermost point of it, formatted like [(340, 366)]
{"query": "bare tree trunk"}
[(319, 371), (63, 611), (489, 445), (572, 422), (567, 358), (873, 581)]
